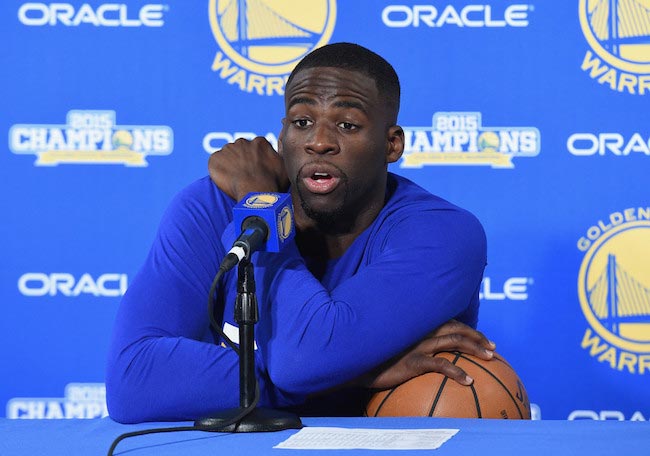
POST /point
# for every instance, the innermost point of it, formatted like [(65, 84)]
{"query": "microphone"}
[(266, 223)]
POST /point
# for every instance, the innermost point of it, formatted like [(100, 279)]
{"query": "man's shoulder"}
[(415, 216), (200, 188), (408, 200), (205, 191), (403, 192), (200, 199)]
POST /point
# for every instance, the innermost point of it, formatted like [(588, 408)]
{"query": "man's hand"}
[(419, 359), (248, 166)]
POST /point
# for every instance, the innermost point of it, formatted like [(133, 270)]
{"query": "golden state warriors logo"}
[(459, 138), (285, 223), (618, 32), (91, 137), (614, 290), (261, 200), (261, 41)]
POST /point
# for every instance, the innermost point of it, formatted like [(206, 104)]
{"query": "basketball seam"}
[(501, 360), (521, 415), (381, 404), (476, 402), (442, 387)]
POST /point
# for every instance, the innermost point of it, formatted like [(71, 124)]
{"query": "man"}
[(382, 274)]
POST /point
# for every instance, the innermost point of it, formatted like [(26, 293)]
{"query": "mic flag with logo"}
[(266, 224)]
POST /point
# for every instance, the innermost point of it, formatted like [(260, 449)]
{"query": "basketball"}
[(497, 392)]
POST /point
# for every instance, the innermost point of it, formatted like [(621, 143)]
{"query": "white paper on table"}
[(334, 438)]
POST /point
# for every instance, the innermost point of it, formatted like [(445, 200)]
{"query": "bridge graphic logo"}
[(614, 293), (618, 32), (261, 41)]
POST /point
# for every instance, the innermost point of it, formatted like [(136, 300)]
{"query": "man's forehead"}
[(331, 82)]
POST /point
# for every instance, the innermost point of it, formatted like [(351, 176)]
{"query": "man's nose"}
[(322, 140)]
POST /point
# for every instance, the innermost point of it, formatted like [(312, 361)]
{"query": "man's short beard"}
[(331, 220), (326, 221)]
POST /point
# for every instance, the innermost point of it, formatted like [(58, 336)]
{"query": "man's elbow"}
[(128, 395), (295, 376), (122, 401)]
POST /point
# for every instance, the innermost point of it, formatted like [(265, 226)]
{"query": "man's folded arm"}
[(163, 361), (425, 275)]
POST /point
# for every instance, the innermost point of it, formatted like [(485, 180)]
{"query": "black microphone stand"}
[(257, 419)]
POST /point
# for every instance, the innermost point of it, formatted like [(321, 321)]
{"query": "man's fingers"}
[(445, 367), (245, 166), (456, 342), (456, 327), (212, 162)]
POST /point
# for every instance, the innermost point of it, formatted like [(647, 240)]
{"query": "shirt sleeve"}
[(163, 362), (426, 271)]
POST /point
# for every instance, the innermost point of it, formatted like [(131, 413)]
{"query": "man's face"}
[(336, 142)]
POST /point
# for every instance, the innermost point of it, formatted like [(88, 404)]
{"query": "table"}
[(476, 437)]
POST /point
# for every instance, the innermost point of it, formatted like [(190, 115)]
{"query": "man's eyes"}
[(347, 126), (302, 123)]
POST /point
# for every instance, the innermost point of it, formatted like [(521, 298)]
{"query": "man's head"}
[(338, 136), (356, 58)]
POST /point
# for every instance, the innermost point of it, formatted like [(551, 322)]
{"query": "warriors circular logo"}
[(285, 223), (614, 290), (122, 139), (263, 40), (489, 141), (261, 200), (618, 31)]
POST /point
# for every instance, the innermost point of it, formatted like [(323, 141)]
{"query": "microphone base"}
[(258, 420)]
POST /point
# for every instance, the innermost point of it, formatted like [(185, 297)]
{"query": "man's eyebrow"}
[(301, 100), (350, 104), (339, 104)]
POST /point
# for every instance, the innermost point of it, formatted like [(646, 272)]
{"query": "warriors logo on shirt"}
[(459, 138), (90, 137), (261, 41), (614, 290), (618, 33)]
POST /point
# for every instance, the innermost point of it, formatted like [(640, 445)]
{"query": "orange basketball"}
[(497, 392)]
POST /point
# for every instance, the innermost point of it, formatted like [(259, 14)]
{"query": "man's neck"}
[(328, 240), (316, 244)]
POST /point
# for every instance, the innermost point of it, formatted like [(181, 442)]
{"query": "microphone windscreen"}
[(276, 210)]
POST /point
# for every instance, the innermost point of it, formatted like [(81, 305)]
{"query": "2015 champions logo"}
[(618, 33), (81, 400), (614, 290), (91, 137), (459, 138), (261, 41)]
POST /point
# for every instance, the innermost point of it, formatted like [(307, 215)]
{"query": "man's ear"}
[(395, 143)]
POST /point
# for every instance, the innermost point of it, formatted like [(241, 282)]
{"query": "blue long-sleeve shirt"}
[(419, 264)]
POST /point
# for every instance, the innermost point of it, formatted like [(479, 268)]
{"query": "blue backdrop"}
[(534, 116)]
